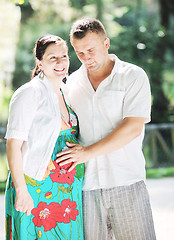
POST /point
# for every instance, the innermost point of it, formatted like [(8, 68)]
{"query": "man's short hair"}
[(82, 26)]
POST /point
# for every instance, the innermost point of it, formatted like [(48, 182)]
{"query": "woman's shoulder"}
[(28, 90)]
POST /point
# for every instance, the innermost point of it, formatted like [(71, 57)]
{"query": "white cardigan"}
[(34, 117)]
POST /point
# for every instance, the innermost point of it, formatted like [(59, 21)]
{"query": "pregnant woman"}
[(43, 199)]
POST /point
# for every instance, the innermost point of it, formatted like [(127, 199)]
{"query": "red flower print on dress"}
[(69, 210), (61, 174), (73, 131), (48, 195), (47, 215)]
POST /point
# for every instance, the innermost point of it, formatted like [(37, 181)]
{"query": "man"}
[(112, 100)]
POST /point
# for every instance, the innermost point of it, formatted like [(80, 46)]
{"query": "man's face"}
[(92, 50)]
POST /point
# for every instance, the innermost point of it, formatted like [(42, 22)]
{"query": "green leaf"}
[(79, 171), (31, 181), (65, 190)]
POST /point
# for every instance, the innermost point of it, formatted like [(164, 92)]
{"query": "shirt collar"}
[(115, 69), (116, 65), (84, 81)]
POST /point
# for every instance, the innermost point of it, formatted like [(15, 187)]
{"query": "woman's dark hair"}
[(40, 48), (82, 26)]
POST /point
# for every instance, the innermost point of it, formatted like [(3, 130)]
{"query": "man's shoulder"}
[(127, 67), (126, 73)]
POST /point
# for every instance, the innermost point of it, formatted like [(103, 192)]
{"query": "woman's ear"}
[(39, 64)]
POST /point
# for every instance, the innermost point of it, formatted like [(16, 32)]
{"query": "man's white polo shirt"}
[(35, 118), (125, 93)]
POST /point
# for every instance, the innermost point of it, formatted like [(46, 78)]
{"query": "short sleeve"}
[(22, 109), (137, 101)]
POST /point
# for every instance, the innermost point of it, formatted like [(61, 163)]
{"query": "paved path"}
[(162, 200)]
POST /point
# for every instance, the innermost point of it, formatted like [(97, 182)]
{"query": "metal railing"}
[(158, 145)]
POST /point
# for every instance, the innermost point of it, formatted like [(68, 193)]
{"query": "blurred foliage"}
[(5, 96), (160, 172), (168, 75), (19, 1), (3, 168), (138, 35)]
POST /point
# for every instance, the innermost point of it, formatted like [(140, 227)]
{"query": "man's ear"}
[(107, 43)]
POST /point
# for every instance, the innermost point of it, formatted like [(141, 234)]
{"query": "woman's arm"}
[(23, 201)]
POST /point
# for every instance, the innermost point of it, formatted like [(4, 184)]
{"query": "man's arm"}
[(23, 201), (127, 131)]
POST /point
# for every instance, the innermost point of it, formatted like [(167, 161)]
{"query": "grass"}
[(160, 172)]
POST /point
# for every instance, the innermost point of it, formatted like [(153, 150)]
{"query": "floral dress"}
[(57, 212)]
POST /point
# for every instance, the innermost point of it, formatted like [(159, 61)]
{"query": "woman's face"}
[(55, 62)]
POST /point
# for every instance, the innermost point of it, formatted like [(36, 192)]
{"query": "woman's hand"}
[(24, 202), (76, 154)]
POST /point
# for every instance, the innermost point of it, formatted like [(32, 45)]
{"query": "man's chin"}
[(92, 68)]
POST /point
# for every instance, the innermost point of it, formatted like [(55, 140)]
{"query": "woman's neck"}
[(56, 83)]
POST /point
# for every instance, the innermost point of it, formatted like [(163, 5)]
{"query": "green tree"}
[(160, 107), (129, 25)]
